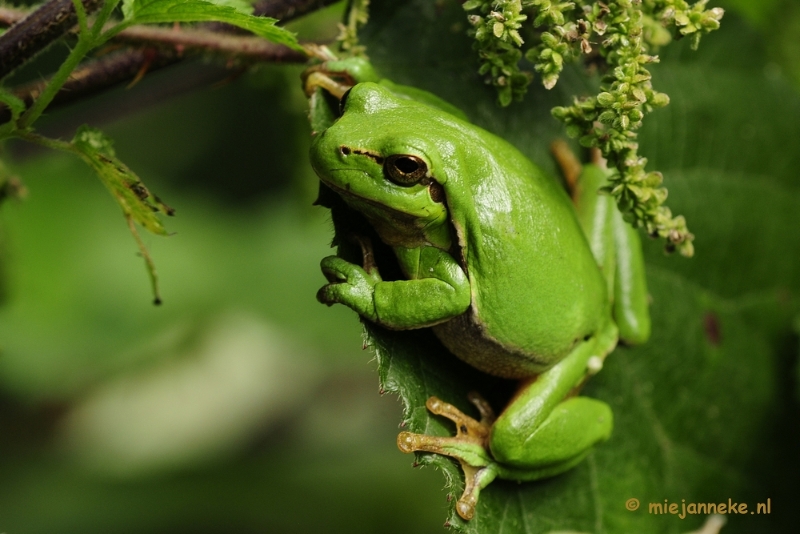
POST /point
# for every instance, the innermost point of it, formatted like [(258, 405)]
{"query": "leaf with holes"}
[(137, 202)]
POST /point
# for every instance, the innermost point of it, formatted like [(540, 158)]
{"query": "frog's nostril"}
[(344, 150)]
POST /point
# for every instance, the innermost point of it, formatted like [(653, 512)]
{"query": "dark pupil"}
[(406, 165)]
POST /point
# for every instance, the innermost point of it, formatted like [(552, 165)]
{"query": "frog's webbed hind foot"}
[(475, 479), (471, 434), (469, 446)]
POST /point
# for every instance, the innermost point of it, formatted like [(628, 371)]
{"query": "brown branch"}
[(243, 48), (95, 76), (10, 16), (201, 40), (158, 47), (119, 67), (32, 33)]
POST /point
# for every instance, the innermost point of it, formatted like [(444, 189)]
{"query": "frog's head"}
[(381, 156)]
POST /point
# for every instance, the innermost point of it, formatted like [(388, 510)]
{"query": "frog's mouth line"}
[(349, 193), (377, 158), (409, 218)]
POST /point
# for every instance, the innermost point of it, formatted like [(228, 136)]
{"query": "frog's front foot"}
[(351, 284), (470, 446)]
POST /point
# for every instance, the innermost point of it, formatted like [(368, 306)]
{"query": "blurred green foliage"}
[(242, 405)]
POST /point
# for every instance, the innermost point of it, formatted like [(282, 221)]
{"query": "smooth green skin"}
[(501, 269)]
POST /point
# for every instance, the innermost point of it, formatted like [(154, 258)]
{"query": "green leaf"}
[(674, 423), (697, 408), (130, 193), (137, 203), (237, 13)]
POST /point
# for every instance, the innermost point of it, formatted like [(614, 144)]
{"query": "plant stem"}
[(80, 12), (234, 46), (148, 260), (86, 41), (55, 144), (56, 82), (103, 17), (118, 67), (165, 46), (95, 76)]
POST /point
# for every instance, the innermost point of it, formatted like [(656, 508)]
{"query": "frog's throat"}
[(397, 235)]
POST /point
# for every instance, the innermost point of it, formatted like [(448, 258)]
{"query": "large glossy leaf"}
[(699, 408)]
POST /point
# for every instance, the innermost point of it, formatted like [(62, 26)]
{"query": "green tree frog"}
[(513, 276)]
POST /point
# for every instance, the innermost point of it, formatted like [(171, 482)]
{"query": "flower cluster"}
[(357, 16), (495, 28), (622, 35)]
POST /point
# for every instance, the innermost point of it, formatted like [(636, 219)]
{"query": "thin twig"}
[(32, 33), (96, 76), (148, 260), (200, 40), (248, 48), (166, 46), (122, 66), (206, 38), (119, 67), (87, 39)]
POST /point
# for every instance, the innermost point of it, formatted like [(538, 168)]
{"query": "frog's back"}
[(536, 288)]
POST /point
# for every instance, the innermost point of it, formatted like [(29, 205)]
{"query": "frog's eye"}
[(404, 169)]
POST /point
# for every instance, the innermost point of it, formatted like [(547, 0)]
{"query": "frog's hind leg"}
[(561, 442), (614, 243), (469, 446), (469, 443), (540, 434), (546, 430), (631, 300), (596, 215)]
